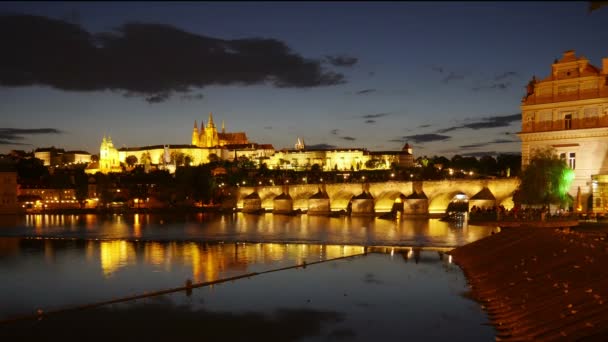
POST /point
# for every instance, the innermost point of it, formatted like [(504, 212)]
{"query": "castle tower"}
[(407, 148), (195, 134), (299, 144), (406, 157), (212, 138), (202, 139), (210, 124)]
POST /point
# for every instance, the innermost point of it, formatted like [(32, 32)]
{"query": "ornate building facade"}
[(568, 110), (207, 144), (301, 158), (210, 137)]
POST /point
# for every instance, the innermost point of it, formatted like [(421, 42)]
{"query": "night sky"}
[(447, 77)]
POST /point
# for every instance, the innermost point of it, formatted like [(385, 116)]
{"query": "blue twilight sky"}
[(447, 77)]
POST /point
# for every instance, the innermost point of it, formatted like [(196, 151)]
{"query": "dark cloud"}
[(341, 61), (497, 85), (348, 138), (478, 154), (496, 141), (397, 140), (334, 131), (267, 127), (504, 75), (321, 147), (439, 69), (370, 121), (365, 91), (487, 122), (374, 116), (157, 98), (486, 153), (14, 136), (152, 61), (499, 81), (452, 76), (193, 97), (422, 138), (425, 126)]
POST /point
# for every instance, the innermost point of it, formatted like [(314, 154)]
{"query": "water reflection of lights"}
[(136, 226), (114, 255)]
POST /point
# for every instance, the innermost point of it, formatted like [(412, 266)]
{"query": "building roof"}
[(417, 195), (155, 147), (248, 146), (364, 195), (253, 195), (320, 195), (48, 149), (283, 196), (484, 194), (78, 152), (235, 136)]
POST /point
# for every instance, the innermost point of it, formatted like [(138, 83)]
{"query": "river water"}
[(401, 284)]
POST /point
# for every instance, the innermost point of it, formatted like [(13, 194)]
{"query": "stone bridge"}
[(418, 197)]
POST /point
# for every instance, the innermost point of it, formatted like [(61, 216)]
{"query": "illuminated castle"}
[(210, 137), (207, 144)]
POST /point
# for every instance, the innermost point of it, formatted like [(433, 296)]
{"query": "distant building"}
[(568, 110), (302, 158), (207, 145), (58, 156), (210, 137), (8, 189)]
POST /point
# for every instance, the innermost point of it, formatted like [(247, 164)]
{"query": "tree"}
[(178, 157), (131, 160), (146, 159), (213, 158), (545, 180)]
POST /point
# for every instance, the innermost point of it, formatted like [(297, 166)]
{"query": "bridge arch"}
[(385, 200), (439, 203), (339, 200)]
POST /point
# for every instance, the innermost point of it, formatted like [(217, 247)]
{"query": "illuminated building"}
[(8, 190), (568, 110), (302, 158), (206, 144), (210, 137), (57, 156)]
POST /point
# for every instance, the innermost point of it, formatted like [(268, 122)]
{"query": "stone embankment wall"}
[(540, 284)]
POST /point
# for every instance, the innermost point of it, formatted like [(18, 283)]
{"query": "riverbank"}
[(540, 283)]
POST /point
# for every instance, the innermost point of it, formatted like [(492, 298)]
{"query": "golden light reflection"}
[(49, 251), (136, 226), (210, 262), (154, 253), (90, 250), (114, 255)]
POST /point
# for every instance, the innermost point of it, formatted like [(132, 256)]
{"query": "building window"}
[(562, 156), (572, 160), (568, 121)]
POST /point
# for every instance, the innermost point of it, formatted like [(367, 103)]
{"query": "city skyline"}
[(446, 77)]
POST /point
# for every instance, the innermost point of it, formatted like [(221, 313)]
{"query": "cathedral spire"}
[(202, 126), (223, 127), (195, 125), (210, 123)]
